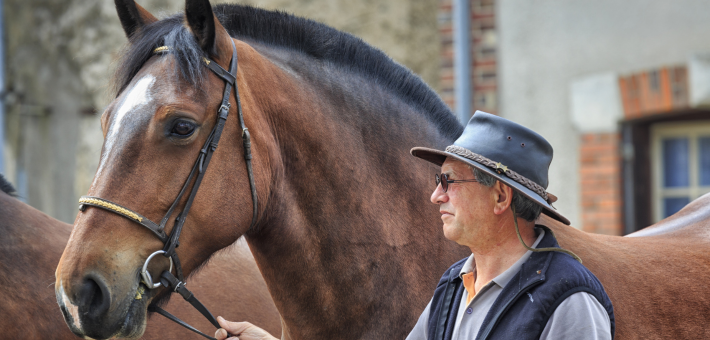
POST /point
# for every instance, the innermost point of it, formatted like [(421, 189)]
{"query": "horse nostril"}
[(95, 298)]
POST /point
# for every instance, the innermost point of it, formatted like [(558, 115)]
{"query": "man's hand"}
[(241, 331)]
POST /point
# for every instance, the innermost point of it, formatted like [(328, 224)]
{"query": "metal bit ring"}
[(147, 279)]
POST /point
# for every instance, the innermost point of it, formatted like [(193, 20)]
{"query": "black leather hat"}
[(510, 152)]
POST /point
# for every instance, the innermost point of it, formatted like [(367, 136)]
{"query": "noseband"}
[(171, 241)]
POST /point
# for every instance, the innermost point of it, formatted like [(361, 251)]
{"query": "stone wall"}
[(59, 61)]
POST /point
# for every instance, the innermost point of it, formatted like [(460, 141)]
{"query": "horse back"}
[(656, 280)]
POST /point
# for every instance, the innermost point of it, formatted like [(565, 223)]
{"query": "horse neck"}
[(28, 230), (349, 244)]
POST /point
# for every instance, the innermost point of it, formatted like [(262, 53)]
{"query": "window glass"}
[(680, 169), (704, 163), (673, 204), (675, 163)]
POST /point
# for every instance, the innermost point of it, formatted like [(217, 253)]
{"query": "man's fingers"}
[(234, 328), (221, 334)]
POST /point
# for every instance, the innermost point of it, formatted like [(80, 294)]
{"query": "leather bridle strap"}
[(198, 171), (175, 319)]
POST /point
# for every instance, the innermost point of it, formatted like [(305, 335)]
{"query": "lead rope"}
[(539, 250)]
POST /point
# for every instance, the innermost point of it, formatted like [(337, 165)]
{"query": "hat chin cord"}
[(539, 250)]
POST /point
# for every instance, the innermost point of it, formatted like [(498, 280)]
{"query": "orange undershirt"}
[(469, 282)]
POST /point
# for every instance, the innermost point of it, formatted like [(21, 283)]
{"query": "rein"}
[(167, 279)]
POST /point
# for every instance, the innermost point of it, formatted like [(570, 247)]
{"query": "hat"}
[(510, 152)]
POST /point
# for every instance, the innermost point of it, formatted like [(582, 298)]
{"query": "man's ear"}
[(133, 17), (504, 197)]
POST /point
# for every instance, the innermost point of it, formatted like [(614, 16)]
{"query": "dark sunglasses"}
[(445, 181)]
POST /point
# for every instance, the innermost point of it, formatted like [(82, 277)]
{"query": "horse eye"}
[(183, 128)]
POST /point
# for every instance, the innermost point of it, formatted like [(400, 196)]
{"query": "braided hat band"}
[(502, 169)]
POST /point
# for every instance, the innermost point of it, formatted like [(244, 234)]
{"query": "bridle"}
[(167, 279)]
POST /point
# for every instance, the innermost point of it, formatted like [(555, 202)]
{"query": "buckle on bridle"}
[(224, 110)]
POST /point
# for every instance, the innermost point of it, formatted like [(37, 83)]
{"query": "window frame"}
[(691, 130)]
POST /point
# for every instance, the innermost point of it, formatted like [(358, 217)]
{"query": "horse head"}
[(167, 106)]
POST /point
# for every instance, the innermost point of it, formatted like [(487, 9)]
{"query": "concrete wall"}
[(545, 45), (59, 55)]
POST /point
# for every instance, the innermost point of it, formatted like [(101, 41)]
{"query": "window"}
[(681, 165)]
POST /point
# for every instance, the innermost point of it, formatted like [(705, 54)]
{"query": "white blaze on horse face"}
[(137, 97)]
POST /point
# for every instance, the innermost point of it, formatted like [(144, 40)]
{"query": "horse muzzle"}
[(89, 312)]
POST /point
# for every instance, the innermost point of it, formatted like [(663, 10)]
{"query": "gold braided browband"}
[(161, 49), (110, 206), (500, 168), (166, 49)]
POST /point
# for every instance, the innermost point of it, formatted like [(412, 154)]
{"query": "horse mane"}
[(6, 187), (277, 28)]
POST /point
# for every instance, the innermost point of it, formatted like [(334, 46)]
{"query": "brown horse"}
[(342, 238), (656, 278), (345, 237), (30, 248)]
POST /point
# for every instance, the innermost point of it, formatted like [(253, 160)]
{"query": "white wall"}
[(545, 45)]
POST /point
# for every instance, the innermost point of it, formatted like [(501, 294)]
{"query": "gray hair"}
[(524, 207)]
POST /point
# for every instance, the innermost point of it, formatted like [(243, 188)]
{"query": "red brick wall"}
[(600, 175), (483, 55), (647, 93), (656, 91)]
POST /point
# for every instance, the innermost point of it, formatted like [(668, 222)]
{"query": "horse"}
[(332, 205), (340, 235), (30, 248)]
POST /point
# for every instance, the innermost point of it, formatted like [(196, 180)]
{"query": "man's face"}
[(465, 207)]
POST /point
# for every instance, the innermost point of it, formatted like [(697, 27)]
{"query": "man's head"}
[(468, 209), (515, 157)]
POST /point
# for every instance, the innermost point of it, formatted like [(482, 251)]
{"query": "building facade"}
[(621, 90)]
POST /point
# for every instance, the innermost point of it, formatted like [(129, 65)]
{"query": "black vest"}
[(550, 277)]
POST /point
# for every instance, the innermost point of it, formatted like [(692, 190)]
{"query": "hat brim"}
[(438, 157)]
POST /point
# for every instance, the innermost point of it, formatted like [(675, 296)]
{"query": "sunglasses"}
[(445, 181)]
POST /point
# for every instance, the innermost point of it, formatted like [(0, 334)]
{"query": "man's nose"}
[(439, 196)]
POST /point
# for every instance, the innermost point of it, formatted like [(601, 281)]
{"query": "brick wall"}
[(644, 94), (600, 175), (655, 91), (483, 55)]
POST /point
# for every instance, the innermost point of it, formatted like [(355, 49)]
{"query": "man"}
[(517, 283)]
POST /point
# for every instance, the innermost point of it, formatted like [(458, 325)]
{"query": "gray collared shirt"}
[(580, 316)]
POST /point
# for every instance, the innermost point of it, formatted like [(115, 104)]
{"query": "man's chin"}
[(450, 232)]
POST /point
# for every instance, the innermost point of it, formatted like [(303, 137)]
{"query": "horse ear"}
[(201, 21), (133, 17)]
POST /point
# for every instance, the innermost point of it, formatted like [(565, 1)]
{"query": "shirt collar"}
[(503, 278)]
